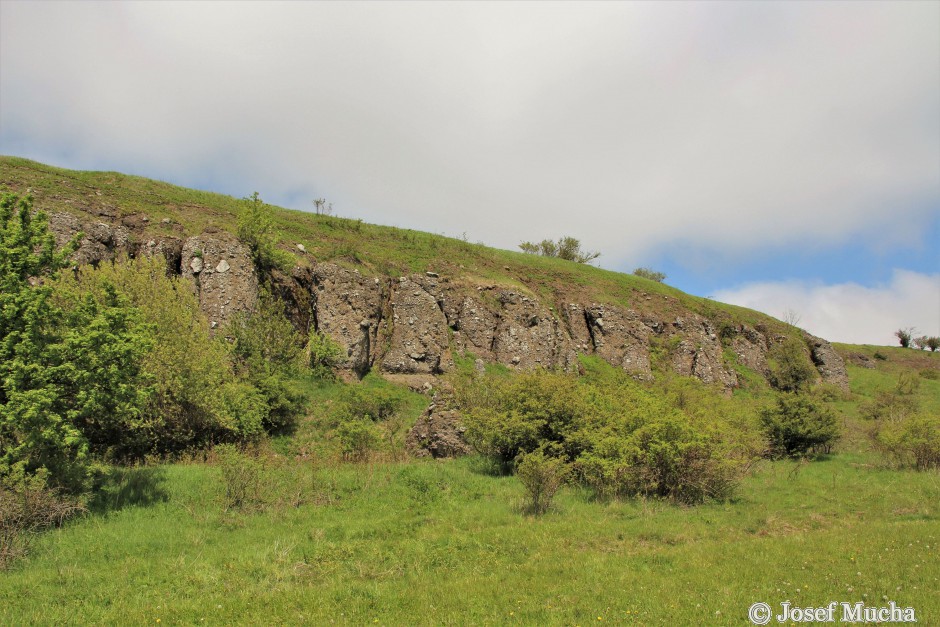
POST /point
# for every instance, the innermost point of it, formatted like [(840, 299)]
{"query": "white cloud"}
[(849, 312), (628, 125)]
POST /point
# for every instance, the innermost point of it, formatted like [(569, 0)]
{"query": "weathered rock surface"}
[(528, 335), (419, 339), (101, 241), (438, 433), (699, 352), (828, 362), (223, 275), (349, 309), (619, 337), (750, 346)]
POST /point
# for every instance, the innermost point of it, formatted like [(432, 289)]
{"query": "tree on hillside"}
[(649, 273), (70, 376), (933, 343), (904, 336), (256, 229), (568, 248)]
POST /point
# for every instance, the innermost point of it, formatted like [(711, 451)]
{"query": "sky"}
[(781, 156)]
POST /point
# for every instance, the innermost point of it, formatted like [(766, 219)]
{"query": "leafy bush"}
[(797, 424), (568, 248), (649, 273), (241, 477), (541, 476), (358, 439), (911, 441), (322, 355), (908, 383), (888, 406), (789, 367), (904, 336), (72, 380), (621, 438), (267, 352), (256, 229), (189, 372)]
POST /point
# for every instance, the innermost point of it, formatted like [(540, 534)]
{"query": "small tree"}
[(652, 275), (933, 343), (797, 424), (321, 207), (904, 336), (541, 476), (256, 229), (568, 248)]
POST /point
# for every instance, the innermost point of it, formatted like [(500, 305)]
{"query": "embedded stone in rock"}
[(226, 274)]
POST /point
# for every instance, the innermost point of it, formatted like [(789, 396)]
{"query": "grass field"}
[(446, 543)]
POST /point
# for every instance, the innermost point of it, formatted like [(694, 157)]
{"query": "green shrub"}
[(622, 438), (797, 425), (256, 229), (322, 355), (908, 383), (358, 439), (72, 380), (911, 441), (267, 351), (541, 476), (241, 478), (189, 372), (888, 406), (930, 374), (789, 367), (649, 273)]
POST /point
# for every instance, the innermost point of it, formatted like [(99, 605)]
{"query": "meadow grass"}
[(433, 543)]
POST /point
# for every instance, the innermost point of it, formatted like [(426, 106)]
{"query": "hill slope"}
[(407, 302)]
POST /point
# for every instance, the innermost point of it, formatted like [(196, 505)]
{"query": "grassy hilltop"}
[(333, 522)]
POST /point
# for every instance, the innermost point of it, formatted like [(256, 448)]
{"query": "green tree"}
[(256, 229), (70, 375), (568, 248), (905, 336), (797, 424), (649, 273)]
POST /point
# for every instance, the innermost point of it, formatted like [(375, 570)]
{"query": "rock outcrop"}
[(828, 362), (348, 309), (411, 326), (419, 339), (223, 275)]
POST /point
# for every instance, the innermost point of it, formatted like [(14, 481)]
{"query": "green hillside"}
[(245, 477)]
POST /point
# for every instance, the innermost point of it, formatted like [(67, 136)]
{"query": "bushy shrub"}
[(71, 369), (241, 477), (649, 273), (888, 406), (189, 372), (322, 355), (789, 367), (568, 248), (541, 476), (267, 351), (908, 383), (797, 425), (358, 439), (622, 439), (256, 229), (910, 441)]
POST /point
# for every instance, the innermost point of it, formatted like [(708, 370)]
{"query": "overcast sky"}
[(775, 155)]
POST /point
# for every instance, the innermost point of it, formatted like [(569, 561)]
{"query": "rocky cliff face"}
[(414, 325)]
